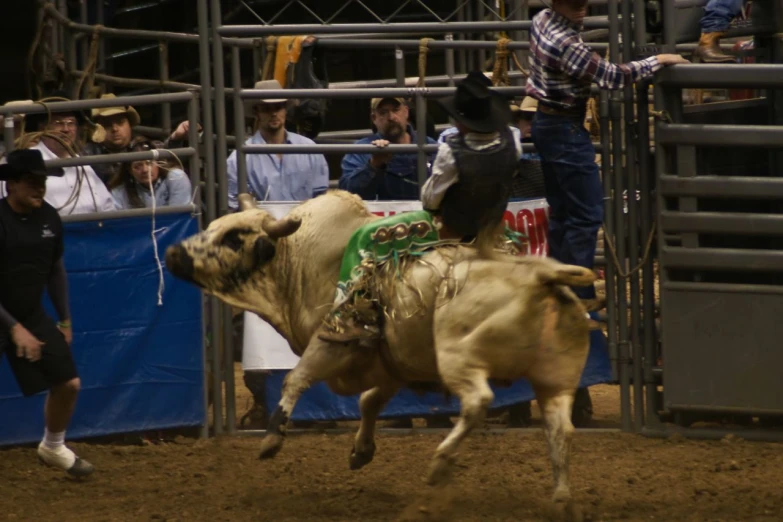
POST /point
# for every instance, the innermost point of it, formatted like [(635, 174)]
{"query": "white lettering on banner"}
[(265, 349)]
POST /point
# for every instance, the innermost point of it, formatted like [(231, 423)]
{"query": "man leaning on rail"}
[(562, 69)]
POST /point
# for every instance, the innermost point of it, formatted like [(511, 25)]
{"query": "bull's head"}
[(232, 252)]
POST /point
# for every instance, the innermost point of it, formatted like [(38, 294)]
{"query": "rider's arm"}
[(444, 175)]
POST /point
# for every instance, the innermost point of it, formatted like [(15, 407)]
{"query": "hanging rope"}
[(92, 63), (500, 70), (269, 67), (423, 50)]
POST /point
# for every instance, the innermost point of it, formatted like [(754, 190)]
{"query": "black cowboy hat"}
[(26, 161), (32, 121), (477, 106)]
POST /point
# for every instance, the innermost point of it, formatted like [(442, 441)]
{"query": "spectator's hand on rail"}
[(27, 345), (181, 132), (380, 159), (671, 59)]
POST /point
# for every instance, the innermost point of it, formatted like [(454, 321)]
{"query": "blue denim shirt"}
[(400, 180), (173, 190)]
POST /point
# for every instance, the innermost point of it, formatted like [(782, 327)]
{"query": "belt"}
[(574, 113)]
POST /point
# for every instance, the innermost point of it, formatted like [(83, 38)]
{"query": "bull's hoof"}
[(568, 511), (270, 446), (441, 470), (360, 459)]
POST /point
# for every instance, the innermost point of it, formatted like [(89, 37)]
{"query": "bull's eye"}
[(233, 239)]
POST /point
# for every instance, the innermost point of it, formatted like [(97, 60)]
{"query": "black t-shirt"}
[(30, 245)]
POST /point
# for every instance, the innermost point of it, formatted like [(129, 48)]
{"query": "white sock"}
[(53, 440)]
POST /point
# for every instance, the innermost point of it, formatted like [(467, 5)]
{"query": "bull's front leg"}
[(321, 361), (371, 403)]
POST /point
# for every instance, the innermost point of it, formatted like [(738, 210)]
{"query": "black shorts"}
[(56, 365)]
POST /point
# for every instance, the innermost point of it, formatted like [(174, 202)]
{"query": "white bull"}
[(454, 319)]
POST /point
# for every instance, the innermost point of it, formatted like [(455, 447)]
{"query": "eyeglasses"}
[(65, 123)]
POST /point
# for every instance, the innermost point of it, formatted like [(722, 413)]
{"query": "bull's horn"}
[(277, 228), (246, 201)]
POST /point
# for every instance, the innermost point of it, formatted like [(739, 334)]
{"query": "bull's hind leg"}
[(371, 404), (556, 412), (320, 361), (475, 395)]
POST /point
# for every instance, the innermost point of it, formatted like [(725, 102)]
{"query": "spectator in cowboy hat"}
[(79, 190), (276, 177), (118, 123)]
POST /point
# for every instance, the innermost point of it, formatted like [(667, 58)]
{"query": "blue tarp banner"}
[(319, 403), (141, 364)]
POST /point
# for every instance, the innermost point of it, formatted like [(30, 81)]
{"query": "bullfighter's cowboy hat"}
[(32, 121), (106, 112), (477, 106), (26, 161), (250, 104)]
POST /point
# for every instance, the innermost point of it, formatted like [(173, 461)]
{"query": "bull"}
[(451, 318)]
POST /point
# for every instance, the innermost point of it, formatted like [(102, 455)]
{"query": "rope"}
[(271, 47), (500, 70), (423, 50), (91, 65), (161, 285), (616, 260)]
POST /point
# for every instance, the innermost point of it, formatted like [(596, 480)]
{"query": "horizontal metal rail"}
[(141, 82), (79, 105), (720, 135), (730, 187), (122, 157), (359, 44), (418, 27), (398, 92), (743, 76), (735, 259), (134, 212), (722, 223), (726, 288), (334, 148)]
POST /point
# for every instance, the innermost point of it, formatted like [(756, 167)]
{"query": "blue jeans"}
[(573, 190), (718, 15)]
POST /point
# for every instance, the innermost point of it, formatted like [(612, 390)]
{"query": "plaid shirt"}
[(562, 67)]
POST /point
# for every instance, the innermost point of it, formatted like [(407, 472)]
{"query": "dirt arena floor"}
[(500, 477)]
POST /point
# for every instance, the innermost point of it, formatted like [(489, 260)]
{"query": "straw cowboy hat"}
[(263, 85), (106, 112), (529, 104), (477, 106)]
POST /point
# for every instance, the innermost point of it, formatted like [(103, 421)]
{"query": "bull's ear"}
[(264, 251)]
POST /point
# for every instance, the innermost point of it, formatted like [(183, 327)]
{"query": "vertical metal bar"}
[(608, 182), (646, 188), (619, 237), (62, 6), (521, 12), (70, 61), (633, 220), (195, 167), (8, 133), (450, 61), (99, 15), (84, 41), (163, 65), (669, 22), (399, 66), (462, 61), (239, 119), (257, 61), (222, 154), (209, 196), (482, 54), (421, 137)]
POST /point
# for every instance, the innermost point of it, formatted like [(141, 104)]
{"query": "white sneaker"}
[(65, 459)]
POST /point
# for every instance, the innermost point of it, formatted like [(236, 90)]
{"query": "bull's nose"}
[(179, 262)]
